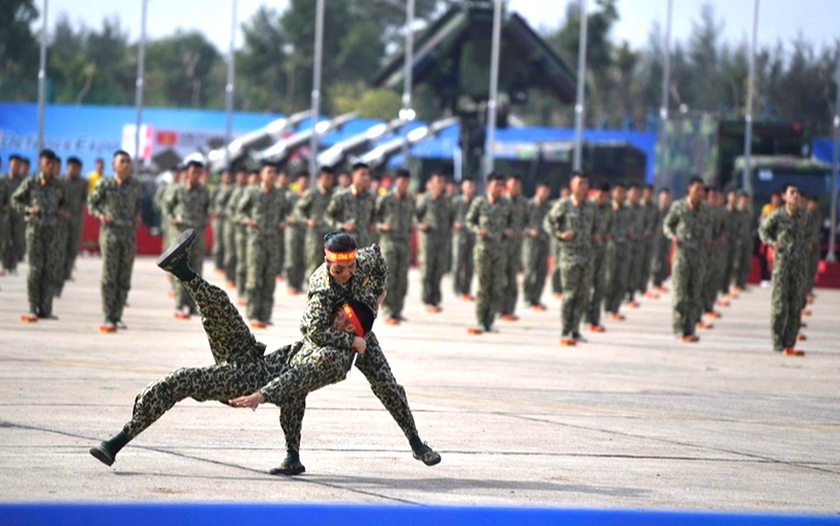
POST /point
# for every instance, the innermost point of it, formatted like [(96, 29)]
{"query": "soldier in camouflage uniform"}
[(728, 246), (742, 264), (635, 242), (240, 181), (218, 205), (262, 210), (661, 243), (162, 194), (570, 220), (688, 226), (351, 210), (15, 245), (115, 201), (554, 249), (5, 208), (535, 249), (394, 214), (713, 266), (75, 192), (62, 231), (188, 205), (520, 209), (296, 237), (618, 262), (602, 216), (434, 217), (283, 183), (41, 200), (786, 231), (651, 221), (312, 208), (463, 242), (815, 229), (489, 218)]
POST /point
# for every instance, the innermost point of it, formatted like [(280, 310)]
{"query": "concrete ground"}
[(631, 419)]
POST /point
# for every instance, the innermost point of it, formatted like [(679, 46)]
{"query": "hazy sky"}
[(816, 20)]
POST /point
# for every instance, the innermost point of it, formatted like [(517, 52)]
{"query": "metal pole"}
[(141, 62), (408, 80), (748, 113), (229, 85), (494, 90), (836, 167), (663, 108), (581, 81), (316, 91), (42, 79)]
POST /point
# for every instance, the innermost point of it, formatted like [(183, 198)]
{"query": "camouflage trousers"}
[(314, 248), (688, 277), (45, 265), (619, 265), (432, 265), (813, 265), (787, 300), (659, 262), (742, 263), (712, 274), (231, 262), (280, 264), (241, 259), (118, 246), (577, 280), (636, 254), (535, 266), (74, 239), (556, 281), (511, 265), (599, 275), (644, 272), (15, 244), (183, 300), (397, 254), (263, 253), (219, 246), (463, 244), (62, 232), (295, 257), (489, 268), (728, 263)]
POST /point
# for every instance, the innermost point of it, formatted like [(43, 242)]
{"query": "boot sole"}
[(297, 470), (102, 456), (178, 247)]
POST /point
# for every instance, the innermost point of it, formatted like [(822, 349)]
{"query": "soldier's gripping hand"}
[(33, 210), (251, 401), (568, 235), (359, 345)]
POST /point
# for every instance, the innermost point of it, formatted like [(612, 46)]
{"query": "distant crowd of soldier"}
[(603, 245)]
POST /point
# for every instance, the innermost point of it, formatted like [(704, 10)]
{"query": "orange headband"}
[(340, 257), (350, 314)]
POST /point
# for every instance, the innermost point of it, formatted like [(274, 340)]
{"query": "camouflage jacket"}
[(459, 214), (495, 218), (538, 213), (436, 214), (565, 216), (47, 197), (75, 192), (815, 226), (520, 210), (120, 202), (651, 220), (620, 223), (265, 207), (692, 227), (790, 231), (635, 221), (347, 207), (220, 198), (4, 202), (602, 217), (396, 212), (313, 205), (232, 206), (189, 207)]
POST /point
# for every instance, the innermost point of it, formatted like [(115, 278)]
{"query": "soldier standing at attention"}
[(742, 264), (283, 184), (520, 209), (602, 214), (351, 210), (115, 202), (786, 231), (489, 217), (463, 242), (394, 214), (232, 262), (712, 268), (535, 249), (262, 210), (815, 225), (15, 221), (635, 243), (662, 244), (253, 181), (4, 213), (296, 236), (434, 225), (688, 226), (312, 207), (619, 262), (570, 221), (554, 248), (40, 200), (651, 221), (75, 192), (219, 199), (728, 248), (62, 229), (188, 206)]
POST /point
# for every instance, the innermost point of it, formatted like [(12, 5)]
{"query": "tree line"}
[(88, 65)]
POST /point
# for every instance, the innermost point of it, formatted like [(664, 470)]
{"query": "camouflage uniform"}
[(219, 199), (75, 191), (790, 262), (742, 263), (815, 229), (692, 228), (575, 257), (347, 207), (62, 232), (602, 216), (397, 212), (650, 222), (437, 215), (713, 266), (45, 263), (535, 255), (117, 240), (463, 244), (189, 208), (265, 207), (635, 248), (5, 209), (313, 206), (15, 247), (289, 199), (661, 252), (237, 234), (618, 260), (554, 250), (489, 254), (520, 209), (295, 243), (728, 248)]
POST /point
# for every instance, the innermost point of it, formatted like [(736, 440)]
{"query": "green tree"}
[(18, 50), (178, 70)]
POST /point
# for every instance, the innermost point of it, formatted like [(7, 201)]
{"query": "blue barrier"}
[(357, 515)]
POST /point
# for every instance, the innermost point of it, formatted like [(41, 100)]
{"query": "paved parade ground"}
[(631, 419)]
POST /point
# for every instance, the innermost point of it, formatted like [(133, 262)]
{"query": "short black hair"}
[(604, 187), (542, 182), (339, 242), (402, 173), (664, 191), (695, 179), (326, 170), (515, 176), (74, 160), (15, 157), (118, 153), (619, 184), (196, 163), (785, 187), (47, 154), (359, 166), (364, 313), (578, 173), (303, 172), (633, 184), (495, 176)]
